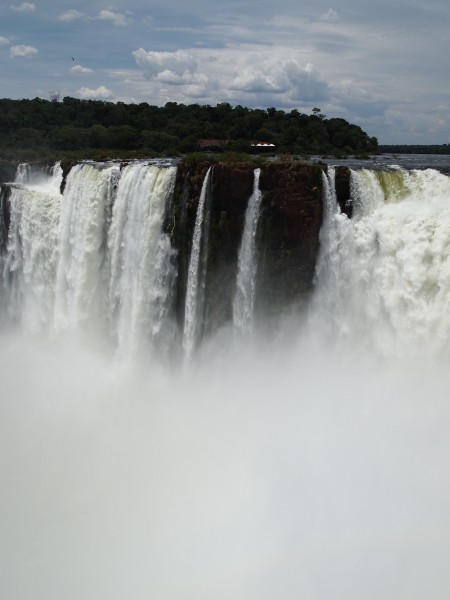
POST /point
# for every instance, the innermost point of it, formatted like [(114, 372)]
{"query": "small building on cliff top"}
[(213, 145), (262, 147)]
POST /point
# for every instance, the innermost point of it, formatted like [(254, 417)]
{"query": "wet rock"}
[(287, 235), (8, 170)]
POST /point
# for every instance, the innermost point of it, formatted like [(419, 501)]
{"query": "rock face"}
[(342, 183), (7, 170), (292, 221), (287, 235), (4, 217)]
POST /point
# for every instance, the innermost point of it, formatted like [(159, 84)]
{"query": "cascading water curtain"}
[(140, 266), (383, 277), (196, 281), (244, 299), (95, 260)]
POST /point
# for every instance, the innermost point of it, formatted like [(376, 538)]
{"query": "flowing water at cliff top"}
[(308, 463), (439, 162)]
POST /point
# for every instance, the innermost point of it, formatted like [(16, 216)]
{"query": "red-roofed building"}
[(213, 145)]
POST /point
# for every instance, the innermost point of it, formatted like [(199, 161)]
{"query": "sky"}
[(382, 64)]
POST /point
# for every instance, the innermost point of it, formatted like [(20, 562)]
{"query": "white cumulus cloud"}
[(116, 18), (280, 77), (101, 92), (256, 81), (70, 15), (22, 51), (4, 41), (308, 85), (187, 78), (80, 70), (24, 7), (176, 63), (256, 78)]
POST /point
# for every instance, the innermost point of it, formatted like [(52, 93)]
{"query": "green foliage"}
[(232, 157), (158, 140), (194, 158), (123, 137), (92, 128)]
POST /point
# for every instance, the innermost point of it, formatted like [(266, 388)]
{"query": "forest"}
[(49, 129)]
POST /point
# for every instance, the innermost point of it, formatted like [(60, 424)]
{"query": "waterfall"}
[(23, 173), (312, 464), (31, 258), (29, 215), (141, 271), (39, 175), (331, 267), (79, 293), (4, 226), (196, 281), (244, 299), (96, 259), (4, 195), (383, 276)]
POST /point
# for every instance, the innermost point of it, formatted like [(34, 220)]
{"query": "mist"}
[(283, 471)]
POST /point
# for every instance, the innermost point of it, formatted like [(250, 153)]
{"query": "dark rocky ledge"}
[(287, 237), (8, 170)]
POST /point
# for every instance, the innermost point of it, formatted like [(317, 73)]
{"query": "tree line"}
[(38, 128)]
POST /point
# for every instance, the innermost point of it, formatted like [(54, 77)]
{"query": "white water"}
[(29, 266), (141, 274), (244, 300), (40, 176), (78, 302), (331, 268), (32, 257), (394, 299), (195, 287), (95, 261), (296, 470)]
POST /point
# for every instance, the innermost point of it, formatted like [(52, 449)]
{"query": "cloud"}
[(357, 100), (281, 77), (187, 78), (79, 70), (24, 7), (90, 94), (153, 63), (116, 18), (253, 78), (200, 91), (258, 81), (4, 41), (308, 83), (22, 51), (70, 15), (171, 78), (330, 16)]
